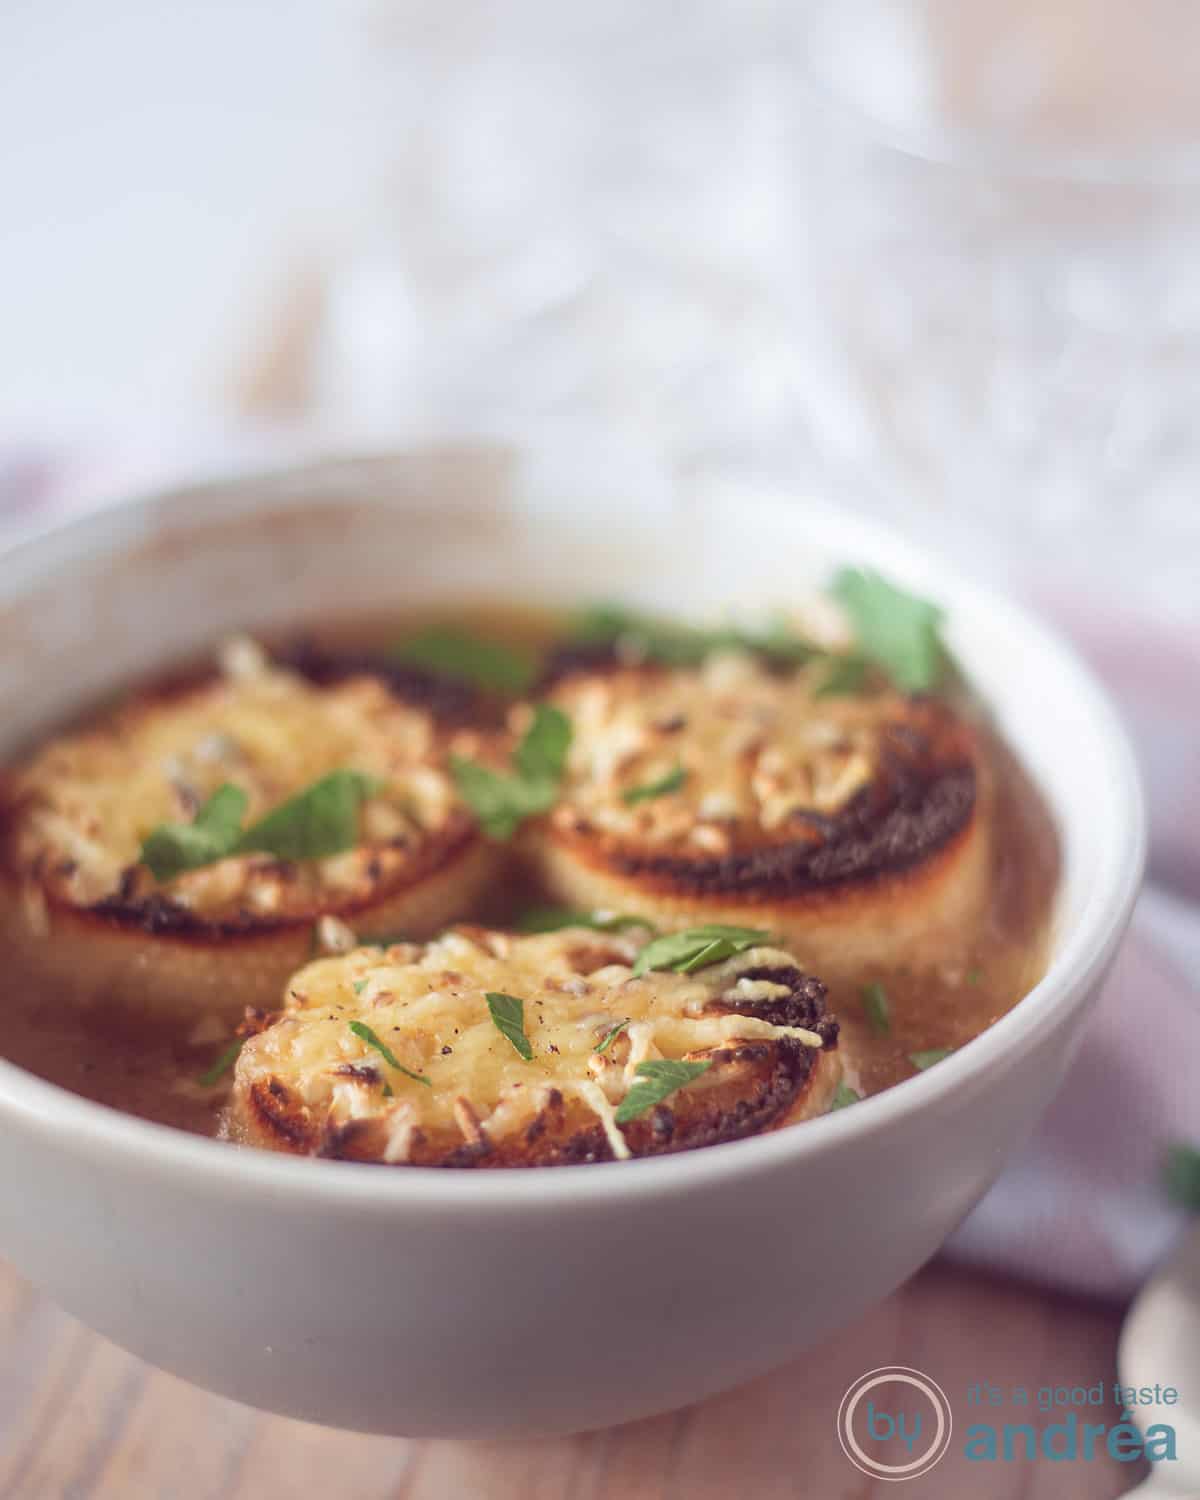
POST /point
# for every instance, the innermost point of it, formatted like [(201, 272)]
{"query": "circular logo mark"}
[(895, 1423)]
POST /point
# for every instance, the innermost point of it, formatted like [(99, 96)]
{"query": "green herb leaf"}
[(365, 1034), (696, 948), (780, 644), (359, 985), (974, 976), (508, 1014), (672, 644), (174, 847), (542, 753), (894, 629), (555, 918), (844, 679), (610, 1036), (675, 644), (1182, 1175), (844, 1096), (670, 782), (224, 1061), (503, 800), (319, 821), (923, 1060), (497, 668), (657, 1079), (878, 1012)]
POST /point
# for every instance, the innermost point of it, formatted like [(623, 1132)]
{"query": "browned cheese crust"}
[(855, 827), (87, 923), (308, 1084)]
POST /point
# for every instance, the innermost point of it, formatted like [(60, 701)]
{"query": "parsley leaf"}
[(503, 800), (365, 1033), (319, 821), (555, 918), (670, 782), (696, 948), (923, 1060), (657, 1079), (172, 848), (675, 644), (894, 629), (508, 1014), (496, 668), (610, 1036), (845, 677), (1183, 1176), (223, 1062), (878, 1012), (543, 748), (843, 1097)]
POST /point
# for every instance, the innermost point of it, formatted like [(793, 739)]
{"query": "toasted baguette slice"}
[(854, 827), (464, 1096), (81, 914)]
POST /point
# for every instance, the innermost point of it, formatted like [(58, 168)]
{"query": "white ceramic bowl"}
[(435, 1302)]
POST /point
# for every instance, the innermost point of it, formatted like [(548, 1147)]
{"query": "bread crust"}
[(756, 1081), (882, 878), (85, 922), (171, 967)]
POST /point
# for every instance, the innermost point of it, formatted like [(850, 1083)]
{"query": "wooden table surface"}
[(82, 1420)]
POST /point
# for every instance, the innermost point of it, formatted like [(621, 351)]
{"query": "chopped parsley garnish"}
[(360, 985), (610, 1036), (318, 821), (503, 800), (844, 678), (365, 1034), (496, 668), (875, 1005), (974, 976), (670, 782), (222, 1063), (696, 948), (844, 1096), (508, 1015), (656, 1079), (1182, 1175), (894, 629), (675, 644), (923, 1060), (173, 848), (555, 918)]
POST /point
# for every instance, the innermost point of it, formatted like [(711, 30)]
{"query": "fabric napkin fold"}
[(1083, 1205)]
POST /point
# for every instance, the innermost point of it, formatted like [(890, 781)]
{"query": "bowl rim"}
[(114, 1138)]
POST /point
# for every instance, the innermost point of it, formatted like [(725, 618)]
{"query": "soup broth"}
[(155, 1070)]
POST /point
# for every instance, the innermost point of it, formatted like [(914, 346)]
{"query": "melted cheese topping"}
[(757, 748), (87, 800), (428, 1006)]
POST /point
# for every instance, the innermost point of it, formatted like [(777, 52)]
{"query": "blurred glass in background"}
[(1005, 249), (941, 252)]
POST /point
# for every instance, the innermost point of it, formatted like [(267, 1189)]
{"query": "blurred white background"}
[(938, 256)]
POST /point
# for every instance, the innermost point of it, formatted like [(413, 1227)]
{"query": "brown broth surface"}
[(148, 1070)]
